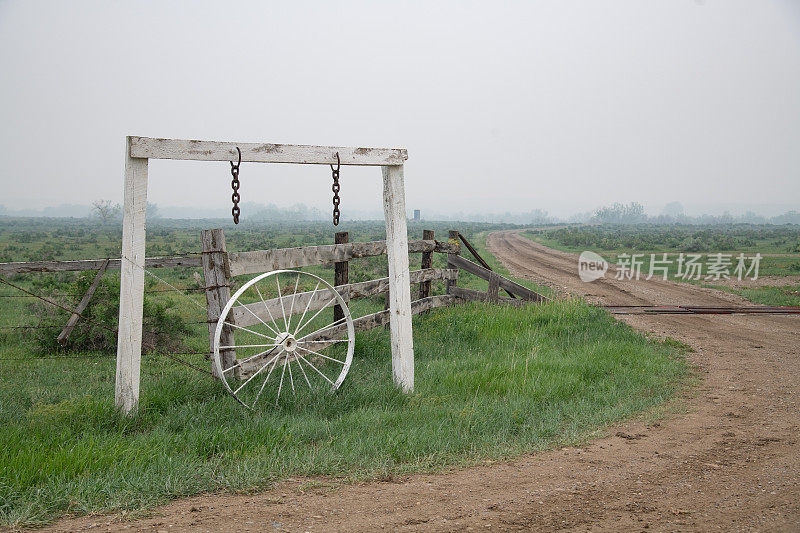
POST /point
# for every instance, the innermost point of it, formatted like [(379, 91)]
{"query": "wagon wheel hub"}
[(287, 341)]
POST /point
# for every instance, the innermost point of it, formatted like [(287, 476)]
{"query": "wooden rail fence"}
[(228, 264), (220, 266)]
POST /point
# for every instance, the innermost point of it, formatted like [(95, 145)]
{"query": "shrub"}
[(162, 326)]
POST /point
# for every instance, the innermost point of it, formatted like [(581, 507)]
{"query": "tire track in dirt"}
[(731, 462)]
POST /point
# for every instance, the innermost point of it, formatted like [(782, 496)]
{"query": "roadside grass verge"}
[(688, 238), (769, 265), (780, 263), (491, 382), (785, 295)]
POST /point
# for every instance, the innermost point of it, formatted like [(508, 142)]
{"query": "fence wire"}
[(68, 295), (49, 326), (153, 349)]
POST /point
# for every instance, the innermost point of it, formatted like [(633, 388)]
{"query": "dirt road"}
[(731, 462)]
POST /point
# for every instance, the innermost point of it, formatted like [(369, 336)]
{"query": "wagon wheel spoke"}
[(299, 328), (321, 355), (280, 384), (246, 329), (239, 363), (243, 385), (339, 322), (308, 304), (280, 298), (316, 369), (234, 346), (273, 330), (304, 374), (267, 308), (291, 379), (291, 308), (265, 382)]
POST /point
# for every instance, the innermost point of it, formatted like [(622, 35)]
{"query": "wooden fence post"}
[(131, 294), (394, 210), (63, 337), (453, 238), (341, 272), (216, 271), (427, 262), (494, 288), (477, 256)]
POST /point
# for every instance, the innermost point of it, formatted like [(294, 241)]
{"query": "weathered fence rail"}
[(245, 261), (182, 261), (251, 314), (494, 278), (477, 256), (262, 260)]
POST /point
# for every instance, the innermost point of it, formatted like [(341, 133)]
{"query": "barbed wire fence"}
[(176, 357)]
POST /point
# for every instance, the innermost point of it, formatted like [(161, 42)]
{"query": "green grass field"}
[(749, 238), (491, 382), (785, 295), (779, 246)]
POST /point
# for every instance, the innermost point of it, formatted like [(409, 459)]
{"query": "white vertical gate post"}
[(131, 296), (394, 210)]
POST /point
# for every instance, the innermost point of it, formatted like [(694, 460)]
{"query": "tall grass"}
[(785, 295), (491, 382), (610, 241)]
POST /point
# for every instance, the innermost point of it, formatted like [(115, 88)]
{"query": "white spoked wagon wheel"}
[(286, 339)]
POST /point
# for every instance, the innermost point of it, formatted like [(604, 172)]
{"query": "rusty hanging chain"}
[(235, 197), (336, 188)]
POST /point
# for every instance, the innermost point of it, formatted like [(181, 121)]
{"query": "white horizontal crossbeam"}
[(150, 148)]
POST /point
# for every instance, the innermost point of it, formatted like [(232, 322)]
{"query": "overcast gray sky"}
[(503, 106)]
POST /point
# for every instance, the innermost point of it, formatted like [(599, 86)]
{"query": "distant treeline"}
[(108, 212), (633, 213), (681, 238)]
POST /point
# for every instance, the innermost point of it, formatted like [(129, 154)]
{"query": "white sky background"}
[(503, 106)]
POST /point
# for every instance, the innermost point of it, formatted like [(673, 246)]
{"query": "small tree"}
[(105, 210), (673, 210), (152, 211), (618, 213)]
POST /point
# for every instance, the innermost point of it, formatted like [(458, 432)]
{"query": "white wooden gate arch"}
[(139, 150)]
